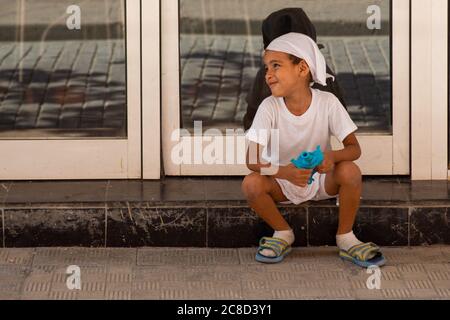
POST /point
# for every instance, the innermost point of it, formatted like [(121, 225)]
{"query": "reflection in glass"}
[(221, 45), (59, 81)]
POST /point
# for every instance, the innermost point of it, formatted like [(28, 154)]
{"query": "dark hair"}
[(295, 60)]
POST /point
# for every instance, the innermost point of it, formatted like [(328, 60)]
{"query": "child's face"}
[(283, 76)]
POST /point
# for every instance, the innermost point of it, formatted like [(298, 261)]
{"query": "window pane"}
[(221, 45), (62, 69)]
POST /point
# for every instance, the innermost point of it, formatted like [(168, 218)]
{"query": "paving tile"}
[(37, 285), (439, 275), (35, 295), (394, 256), (258, 294), (443, 292), (411, 268), (430, 254), (188, 256), (393, 284), (366, 294), (95, 295), (391, 273), (146, 286), (23, 257), (424, 294), (174, 294), (419, 284), (155, 273), (122, 256), (93, 288), (333, 275), (290, 294), (360, 284), (71, 256), (7, 295), (444, 266), (118, 295), (208, 277), (146, 295), (396, 293), (441, 284), (63, 295)]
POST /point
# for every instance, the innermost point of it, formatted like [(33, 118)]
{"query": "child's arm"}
[(298, 177), (351, 152)]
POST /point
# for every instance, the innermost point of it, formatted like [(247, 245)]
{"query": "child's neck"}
[(299, 102)]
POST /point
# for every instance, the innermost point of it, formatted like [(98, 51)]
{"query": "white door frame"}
[(151, 84), (382, 154), (93, 158), (429, 98)]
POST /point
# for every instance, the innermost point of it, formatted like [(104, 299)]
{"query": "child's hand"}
[(299, 177), (327, 163)]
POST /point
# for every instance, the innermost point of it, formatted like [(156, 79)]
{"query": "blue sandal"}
[(360, 254), (280, 247)]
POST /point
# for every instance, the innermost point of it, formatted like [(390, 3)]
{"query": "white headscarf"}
[(305, 48)]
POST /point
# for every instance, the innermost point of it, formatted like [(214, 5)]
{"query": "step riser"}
[(211, 226)]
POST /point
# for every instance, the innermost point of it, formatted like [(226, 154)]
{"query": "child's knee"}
[(254, 185), (348, 172)]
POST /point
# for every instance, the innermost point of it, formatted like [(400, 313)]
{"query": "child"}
[(276, 24), (303, 119)]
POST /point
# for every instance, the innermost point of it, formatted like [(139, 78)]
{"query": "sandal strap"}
[(363, 251), (278, 246)]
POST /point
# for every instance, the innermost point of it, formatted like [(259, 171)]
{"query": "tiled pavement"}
[(78, 85), (188, 273), (217, 72), (341, 17), (71, 85)]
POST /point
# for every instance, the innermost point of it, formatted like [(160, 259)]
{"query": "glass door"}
[(70, 89), (211, 52)]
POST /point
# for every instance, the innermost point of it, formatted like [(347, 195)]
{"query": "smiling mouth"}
[(272, 84)]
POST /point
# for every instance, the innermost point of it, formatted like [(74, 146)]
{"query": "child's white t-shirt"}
[(326, 116)]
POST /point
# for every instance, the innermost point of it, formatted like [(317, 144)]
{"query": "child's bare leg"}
[(345, 179), (262, 192)]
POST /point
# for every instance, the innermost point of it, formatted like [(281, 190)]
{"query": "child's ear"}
[(304, 68)]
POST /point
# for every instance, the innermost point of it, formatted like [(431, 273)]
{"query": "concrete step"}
[(209, 212)]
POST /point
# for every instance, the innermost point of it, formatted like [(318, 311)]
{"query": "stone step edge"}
[(214, 226)]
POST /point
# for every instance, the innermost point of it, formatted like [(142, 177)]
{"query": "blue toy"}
[(309, 160)]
